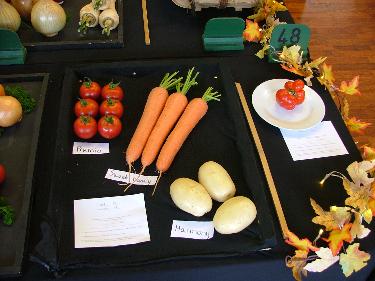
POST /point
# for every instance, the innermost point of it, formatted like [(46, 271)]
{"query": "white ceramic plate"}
[(306, 115)]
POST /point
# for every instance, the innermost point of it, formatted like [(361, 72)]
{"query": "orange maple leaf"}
[(293, 70), (337, 237), (252, 31), (300, 244), (371, 206), (368, 153), (351, 87), (356, 126)]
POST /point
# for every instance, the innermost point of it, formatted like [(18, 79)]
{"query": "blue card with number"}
[(289, 35)]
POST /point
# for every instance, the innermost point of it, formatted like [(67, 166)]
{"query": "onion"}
[(23, 7), (10, 111), (9, 17), (48, 17)]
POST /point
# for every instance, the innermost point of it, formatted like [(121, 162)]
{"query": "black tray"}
[(18, 146), (69, 37), (221, 136)]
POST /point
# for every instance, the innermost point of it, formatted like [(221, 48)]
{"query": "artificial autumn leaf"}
[(326, 76), (292, 55), (358, 230), (325, 261), (337, 237), (351, 87), (358, 172), (301, 244), (317, 62), (333, 219), (297, 263), (368, 152), (356, 126), (265, 9), (358, 198), (252, 31), (345, 109), (353, 259), (293, 70), (371, 205), (367, 215)]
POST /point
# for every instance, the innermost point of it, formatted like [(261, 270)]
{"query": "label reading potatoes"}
[(192, 229), (90, 148), (127, 177)]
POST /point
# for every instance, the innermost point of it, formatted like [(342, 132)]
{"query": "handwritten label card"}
[(317, 142), (110, 221), (192, 229), (127, 177), (90, 148)]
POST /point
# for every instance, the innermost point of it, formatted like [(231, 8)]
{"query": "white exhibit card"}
[(317, 142), (90, 148), (126, 177), (110, 221), (192, 229)]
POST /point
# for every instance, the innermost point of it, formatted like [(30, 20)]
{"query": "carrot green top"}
[(189, 82), (209, 95), (169, 80)]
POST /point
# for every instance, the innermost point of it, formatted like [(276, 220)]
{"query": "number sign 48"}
[(288, 35)]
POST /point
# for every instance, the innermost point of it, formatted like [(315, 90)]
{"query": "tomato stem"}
[(113, 85), (87, 82)]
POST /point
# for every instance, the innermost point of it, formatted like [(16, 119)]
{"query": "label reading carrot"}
[(126, 177)]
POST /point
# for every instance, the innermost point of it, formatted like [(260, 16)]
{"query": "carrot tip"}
[(156, 184)]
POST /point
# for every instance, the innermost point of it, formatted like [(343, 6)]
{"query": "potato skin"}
[(190, 196), (217, 181), (234, 215)]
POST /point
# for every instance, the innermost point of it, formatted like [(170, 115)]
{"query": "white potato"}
[(234, 215), (217, 181), (190, 196)]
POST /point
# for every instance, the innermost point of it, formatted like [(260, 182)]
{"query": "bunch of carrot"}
[(158, 120)]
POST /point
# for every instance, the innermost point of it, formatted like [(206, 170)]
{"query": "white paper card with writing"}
[(90, 148), (127, 177), (317, 142), (202, 230), (110, 221)]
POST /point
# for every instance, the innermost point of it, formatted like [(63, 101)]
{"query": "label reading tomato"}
[(112, 90)]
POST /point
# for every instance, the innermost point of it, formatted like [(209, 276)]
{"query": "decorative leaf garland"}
[(342, 225)]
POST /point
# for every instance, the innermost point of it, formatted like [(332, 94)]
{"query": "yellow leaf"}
[(265, 9), (353, 259), (351, 87), (371, 205), (326, 76), (261, 53), (337, 237), (358, 199), (300, 244), (356, 126), (252, 31), (368, 152), (317, 62), (358, 230), (292, 54), (292, 69), (332, 219), (367, 215)]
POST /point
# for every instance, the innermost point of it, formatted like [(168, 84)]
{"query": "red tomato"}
[(285, 99), (85, 127), (109, 126), (2, 173), (111, 107), (288, 85), (113, 91), (90, 89), (298, 85), (300, 96), (86, 107)]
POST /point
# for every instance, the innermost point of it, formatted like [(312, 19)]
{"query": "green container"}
[(11, 49), (224, 34)]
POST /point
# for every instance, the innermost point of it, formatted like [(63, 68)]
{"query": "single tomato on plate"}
[(85, 127), (90, 89), (112, 90), (86, 107), (109, 126), (291, 95), (111, 107)]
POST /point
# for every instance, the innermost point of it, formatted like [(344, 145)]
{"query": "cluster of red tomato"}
[(87, 108), (292, 94)]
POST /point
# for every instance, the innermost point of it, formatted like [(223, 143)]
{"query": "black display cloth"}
[(175, 34)]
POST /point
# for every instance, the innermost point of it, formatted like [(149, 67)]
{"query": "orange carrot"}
[(154, 106), (193, 113), (173, 109)]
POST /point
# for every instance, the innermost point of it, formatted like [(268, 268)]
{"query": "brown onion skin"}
[(23, 7), (10, 111)]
